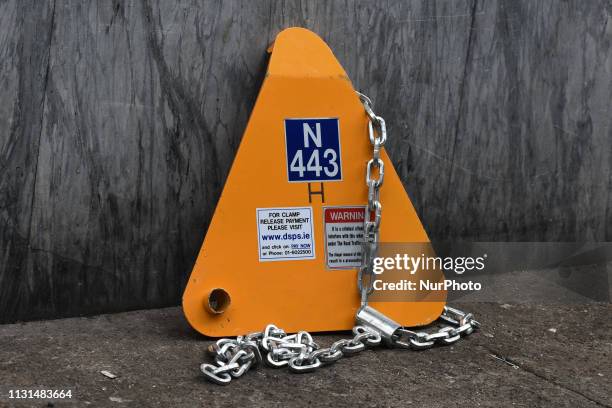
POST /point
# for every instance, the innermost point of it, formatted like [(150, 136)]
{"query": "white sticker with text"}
[(343, 236), (285, 233)]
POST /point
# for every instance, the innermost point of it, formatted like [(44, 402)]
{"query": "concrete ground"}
[(525, 356)]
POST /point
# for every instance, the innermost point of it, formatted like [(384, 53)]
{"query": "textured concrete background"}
[(119, 121), (156, 357)]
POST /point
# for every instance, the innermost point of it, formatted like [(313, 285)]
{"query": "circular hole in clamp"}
[(218, 301)]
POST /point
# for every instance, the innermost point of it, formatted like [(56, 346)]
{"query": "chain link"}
[(377, 132), (301, 354), (234, 357)]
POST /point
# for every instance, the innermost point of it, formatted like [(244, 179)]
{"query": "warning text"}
[(285, 233)]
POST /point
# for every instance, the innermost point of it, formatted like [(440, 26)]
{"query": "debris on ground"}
[(108, 374), (504, 360)]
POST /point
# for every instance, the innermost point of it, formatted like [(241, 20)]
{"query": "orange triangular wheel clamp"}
[(242, 280)]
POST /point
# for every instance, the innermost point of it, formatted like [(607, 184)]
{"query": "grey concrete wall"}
[(119, 121)]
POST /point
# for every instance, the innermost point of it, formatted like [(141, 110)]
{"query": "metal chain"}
[(234, 357), (299, 352), (377, 131)]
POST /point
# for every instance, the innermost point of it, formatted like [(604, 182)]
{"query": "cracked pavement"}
[(524, 356)]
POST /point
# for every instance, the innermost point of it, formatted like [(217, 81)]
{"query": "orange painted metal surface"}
[(304, 80)]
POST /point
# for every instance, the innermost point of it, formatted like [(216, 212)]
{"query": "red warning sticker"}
[(343, 236)]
